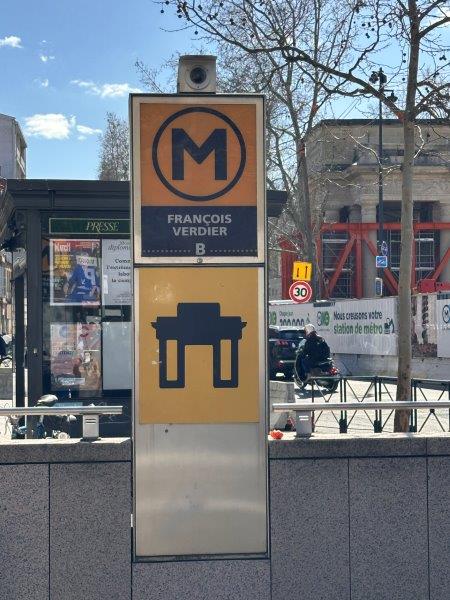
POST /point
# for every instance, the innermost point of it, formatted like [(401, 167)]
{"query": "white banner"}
[(116, 272), (443, 327), (348, 326)]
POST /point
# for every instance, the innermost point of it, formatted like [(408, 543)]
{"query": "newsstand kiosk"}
[(68, 243)]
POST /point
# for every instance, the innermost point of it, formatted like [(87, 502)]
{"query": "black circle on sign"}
[(228, 121)]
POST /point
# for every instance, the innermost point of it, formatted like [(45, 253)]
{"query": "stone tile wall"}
[(351, 518)]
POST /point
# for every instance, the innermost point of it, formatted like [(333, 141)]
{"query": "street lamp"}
[(380, 78)]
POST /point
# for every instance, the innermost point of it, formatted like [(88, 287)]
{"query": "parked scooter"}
[(326, 368), (53, 426), (18, 432)]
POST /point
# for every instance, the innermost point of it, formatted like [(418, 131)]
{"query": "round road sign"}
[(300, 291)]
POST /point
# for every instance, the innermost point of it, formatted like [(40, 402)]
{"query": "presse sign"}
[(197, 168)]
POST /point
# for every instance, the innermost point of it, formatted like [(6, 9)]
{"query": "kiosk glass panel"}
[(86, 317)]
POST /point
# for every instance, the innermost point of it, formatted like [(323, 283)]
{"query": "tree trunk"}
[(307, 226), (401, 421)]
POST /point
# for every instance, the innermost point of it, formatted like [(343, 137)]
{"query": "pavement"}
[(361, 422)]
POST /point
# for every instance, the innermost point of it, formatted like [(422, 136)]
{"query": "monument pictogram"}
[(199, 324)]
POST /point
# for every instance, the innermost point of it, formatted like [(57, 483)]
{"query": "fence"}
[(90, 414), (382, 389)]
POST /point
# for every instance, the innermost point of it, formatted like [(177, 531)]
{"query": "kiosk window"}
[(87, 314)]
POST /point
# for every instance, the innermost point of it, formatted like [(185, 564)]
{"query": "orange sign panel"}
[(301, 271), (198, 345), (198, 177)]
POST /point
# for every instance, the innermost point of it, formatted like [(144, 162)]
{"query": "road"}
[(361, 422)]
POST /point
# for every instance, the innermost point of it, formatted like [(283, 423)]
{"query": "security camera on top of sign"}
[(197, 73)]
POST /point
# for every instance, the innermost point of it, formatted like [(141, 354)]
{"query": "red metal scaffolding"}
[(357, 238)]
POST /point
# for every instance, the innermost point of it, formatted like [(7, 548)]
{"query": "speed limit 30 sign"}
[(300, 291)]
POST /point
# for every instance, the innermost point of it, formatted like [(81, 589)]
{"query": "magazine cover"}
[(74, 272), (75, 355)]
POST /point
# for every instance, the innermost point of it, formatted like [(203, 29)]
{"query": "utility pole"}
[(381, 81), (380, 77)]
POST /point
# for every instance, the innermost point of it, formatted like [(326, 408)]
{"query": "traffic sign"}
[(198, 179), (300, 291), (382, 262), (302, 271), (378, 287)]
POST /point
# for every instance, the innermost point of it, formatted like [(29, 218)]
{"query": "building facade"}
[(343, 167), (12, 149), (12, 165)]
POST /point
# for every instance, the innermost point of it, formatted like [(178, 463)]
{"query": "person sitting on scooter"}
[(314, 351)]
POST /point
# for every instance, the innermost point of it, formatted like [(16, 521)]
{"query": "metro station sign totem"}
[(199, 302)]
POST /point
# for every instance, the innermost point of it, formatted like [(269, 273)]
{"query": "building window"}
[(426, 242), (332, 246)]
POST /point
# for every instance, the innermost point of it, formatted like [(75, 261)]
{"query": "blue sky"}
[(64, 64)]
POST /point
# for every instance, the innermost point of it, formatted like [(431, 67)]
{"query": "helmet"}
[(309, 328)]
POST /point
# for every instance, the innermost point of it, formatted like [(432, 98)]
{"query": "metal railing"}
[(90, 414), (383, 400), (304, 410)]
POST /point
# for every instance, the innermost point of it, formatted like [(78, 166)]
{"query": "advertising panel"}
[(117, 344), (443, 327), (116, 272), (74, 272), (349, 327), (197, 185), (75, 360)]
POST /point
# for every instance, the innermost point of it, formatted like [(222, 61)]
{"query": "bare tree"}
[(294, 102), (113, 157), (408, 33), (296, 94)]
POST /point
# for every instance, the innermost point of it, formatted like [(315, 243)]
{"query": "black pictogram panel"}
[(198, 324)]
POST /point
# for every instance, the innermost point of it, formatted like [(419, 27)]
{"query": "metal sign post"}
[(200, 457)]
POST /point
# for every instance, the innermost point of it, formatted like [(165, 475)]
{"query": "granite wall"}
[(6, 384), (351, 518)]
